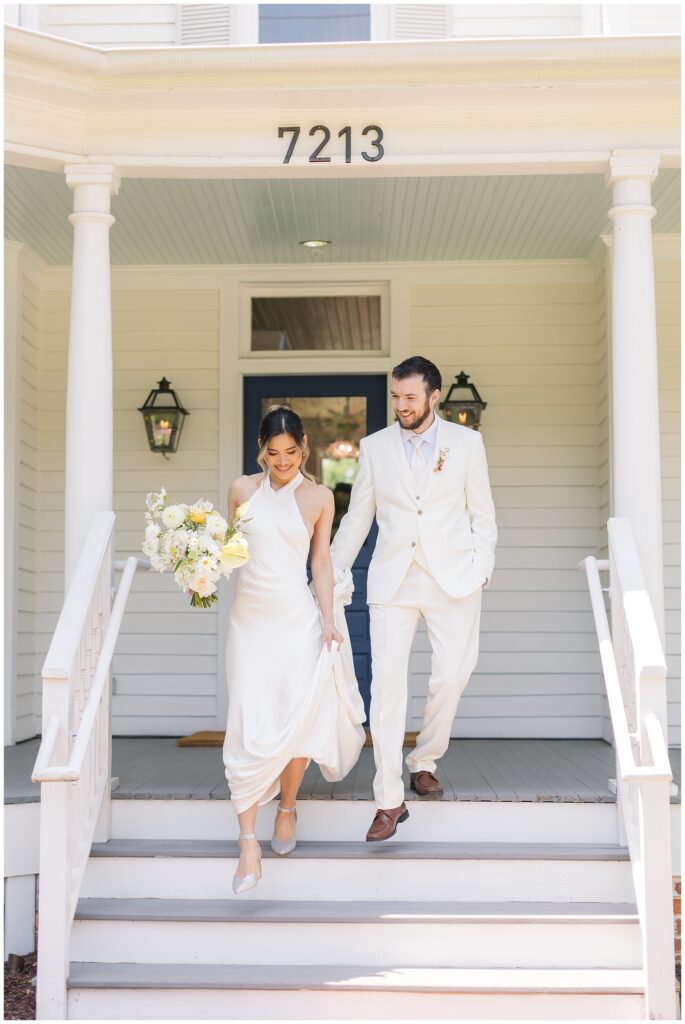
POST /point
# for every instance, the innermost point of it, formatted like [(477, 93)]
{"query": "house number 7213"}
[(346, 133)]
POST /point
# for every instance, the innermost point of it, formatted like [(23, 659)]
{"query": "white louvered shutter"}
[(204, 24), (422, 21)]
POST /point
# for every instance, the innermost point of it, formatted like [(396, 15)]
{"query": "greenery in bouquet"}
[(194, 542)]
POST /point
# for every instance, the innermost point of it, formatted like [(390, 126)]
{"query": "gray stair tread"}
[(340, 911), (307, 849), (418, 979)]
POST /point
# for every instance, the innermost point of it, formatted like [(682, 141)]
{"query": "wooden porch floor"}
[(571, 771)]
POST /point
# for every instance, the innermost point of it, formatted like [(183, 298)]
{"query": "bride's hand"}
[(330, 633)]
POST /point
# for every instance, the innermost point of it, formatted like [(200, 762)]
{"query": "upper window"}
[(314, 23), (343, 323)]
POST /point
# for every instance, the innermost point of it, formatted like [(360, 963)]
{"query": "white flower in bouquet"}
[(173, 516), (216, 526), (151, 545), (207, 566), (209, 545), (183, 576), (155, 501), (194, 544), (202, 585), (175, 544)]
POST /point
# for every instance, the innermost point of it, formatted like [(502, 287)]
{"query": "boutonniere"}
[(442, 459)]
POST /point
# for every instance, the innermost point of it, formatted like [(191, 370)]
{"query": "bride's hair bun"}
[(275, 408)]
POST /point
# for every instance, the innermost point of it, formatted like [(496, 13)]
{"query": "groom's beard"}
[(416, 423)]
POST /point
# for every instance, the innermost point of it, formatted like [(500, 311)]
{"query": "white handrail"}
[(634, 669), (72, 771), (47, 746), (630, 770), (64, 644)]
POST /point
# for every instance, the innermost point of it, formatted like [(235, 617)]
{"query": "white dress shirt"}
[(429, 438)]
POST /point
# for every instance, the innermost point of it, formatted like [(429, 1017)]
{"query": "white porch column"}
[(634, 377), (89, 429)]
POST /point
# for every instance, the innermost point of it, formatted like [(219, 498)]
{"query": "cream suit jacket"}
[(450, 513)]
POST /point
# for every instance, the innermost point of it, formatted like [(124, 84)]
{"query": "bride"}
[(292, 693)]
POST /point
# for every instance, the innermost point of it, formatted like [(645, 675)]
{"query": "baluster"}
[(103, 737)]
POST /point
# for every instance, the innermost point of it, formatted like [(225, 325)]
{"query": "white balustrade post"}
[(54, 887), (89, 429), (636, 475), (657, 926)]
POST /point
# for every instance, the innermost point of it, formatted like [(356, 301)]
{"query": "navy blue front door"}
[(373, 388)]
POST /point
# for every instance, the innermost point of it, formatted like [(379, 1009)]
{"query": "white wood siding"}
[(165, 668), (512, 20), (27, 703), (527, 335), (602, 308), (104, 25), (669, 341)]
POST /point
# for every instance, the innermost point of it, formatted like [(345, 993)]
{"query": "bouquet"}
[(195, 542)]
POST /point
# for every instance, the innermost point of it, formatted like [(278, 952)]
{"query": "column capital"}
[(93, 174), (632, 163)]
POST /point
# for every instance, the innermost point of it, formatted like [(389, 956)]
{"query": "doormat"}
[(207, 738), (202, 739), (409, 739)]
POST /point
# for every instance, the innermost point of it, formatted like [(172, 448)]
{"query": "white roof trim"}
[(435, 58)]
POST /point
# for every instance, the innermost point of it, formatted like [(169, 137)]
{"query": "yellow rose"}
[(197, 515), (234, 554)]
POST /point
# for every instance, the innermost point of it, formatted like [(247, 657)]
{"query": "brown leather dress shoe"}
[(425, 784), (385, 823)]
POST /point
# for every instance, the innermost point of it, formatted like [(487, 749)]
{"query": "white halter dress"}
[(288, 696)]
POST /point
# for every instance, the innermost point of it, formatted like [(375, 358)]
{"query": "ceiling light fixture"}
[(316, 243)]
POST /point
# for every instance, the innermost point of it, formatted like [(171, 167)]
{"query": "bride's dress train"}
[(288, 696)]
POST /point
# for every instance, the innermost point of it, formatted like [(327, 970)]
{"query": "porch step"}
[(167, 869), (285, 992), (398, 850), (466, 821), (389, 933)]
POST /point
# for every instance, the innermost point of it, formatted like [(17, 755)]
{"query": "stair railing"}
[(73, 764), (634, 670)]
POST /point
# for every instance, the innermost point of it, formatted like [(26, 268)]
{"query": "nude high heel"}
[(246, 882), (283, 846)]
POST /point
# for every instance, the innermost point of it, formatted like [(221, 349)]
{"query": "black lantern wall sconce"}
[(463, 404), (163, 415)]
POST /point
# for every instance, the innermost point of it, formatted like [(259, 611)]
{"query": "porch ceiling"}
[(232, 221)]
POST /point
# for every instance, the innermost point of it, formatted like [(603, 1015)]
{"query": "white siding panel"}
[(166, 656), (108, 25), (531, 348), (27, 686), (603, 443), (522, 20), (669, 341)]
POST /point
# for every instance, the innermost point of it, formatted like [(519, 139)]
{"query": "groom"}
[(426, 480)]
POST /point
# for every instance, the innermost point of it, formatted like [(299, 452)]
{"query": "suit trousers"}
[(453, 625)]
